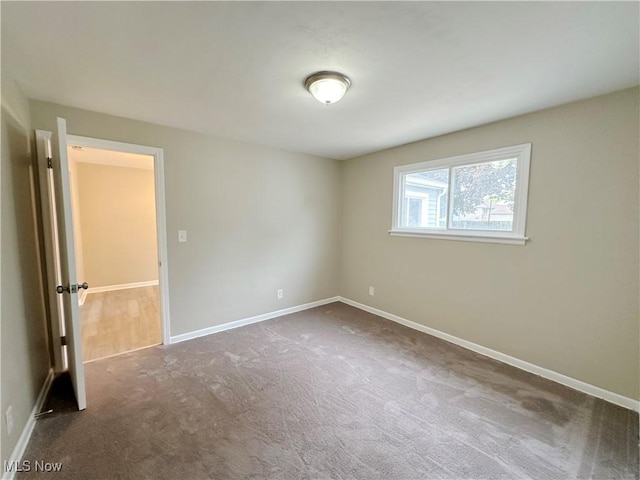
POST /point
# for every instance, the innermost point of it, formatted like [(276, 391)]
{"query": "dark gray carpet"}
[(331, 392)]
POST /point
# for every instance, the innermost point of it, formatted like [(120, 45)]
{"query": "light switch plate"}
[(182, 236)]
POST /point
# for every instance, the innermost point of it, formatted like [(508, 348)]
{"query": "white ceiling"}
[(110, 157), (235, 69)]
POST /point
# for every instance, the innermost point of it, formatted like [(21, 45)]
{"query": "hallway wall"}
[(118, 224)]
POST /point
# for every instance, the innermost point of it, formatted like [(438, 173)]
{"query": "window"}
[(480, 196)]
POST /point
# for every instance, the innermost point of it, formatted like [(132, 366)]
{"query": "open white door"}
[(69, 287)]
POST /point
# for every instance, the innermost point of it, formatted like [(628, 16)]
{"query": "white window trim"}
[(515, 237)]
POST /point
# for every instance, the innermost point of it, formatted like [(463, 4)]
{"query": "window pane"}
[(414, 212), (483, 195), (425, 199)]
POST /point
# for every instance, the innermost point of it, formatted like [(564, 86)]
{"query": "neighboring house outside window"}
[(424, 201), (480, 196)]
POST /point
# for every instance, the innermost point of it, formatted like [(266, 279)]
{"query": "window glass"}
[(426, 198), (481, 195)]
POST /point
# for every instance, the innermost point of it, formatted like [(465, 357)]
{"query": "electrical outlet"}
[(8, 416), (280, 294), (372, 291)]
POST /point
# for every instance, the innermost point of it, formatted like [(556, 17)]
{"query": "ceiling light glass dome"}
[(327, 87)]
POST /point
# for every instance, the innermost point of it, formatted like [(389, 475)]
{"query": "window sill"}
[(461, 237)]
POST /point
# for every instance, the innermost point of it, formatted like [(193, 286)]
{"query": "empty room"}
[(368, 240)]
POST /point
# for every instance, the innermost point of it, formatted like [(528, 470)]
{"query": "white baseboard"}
[(123, 286), (515, 362), (25, 436), (82, 296), (247, 321)]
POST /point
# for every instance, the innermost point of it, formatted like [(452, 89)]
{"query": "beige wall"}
[(117, 218), (24, 354), (257, 218), (568, 300)]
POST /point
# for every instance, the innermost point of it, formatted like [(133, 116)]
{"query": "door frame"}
[(161, 222), (43, 145)]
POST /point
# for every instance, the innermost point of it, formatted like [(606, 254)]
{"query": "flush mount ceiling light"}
[(327, 87)]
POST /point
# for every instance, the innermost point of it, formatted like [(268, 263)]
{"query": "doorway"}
[(126, 305), (114, 211)]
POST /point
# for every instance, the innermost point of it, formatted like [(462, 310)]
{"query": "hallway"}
[(120, 321)]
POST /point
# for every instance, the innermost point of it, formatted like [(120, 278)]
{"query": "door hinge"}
[(63, 340), (49, 162)]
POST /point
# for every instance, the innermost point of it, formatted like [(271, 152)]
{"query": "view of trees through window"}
[(483, 196), (479, 196)]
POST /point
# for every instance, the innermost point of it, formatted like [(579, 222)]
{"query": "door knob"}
[(73, 289)]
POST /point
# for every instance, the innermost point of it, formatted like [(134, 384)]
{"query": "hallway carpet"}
[(332, 392)]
